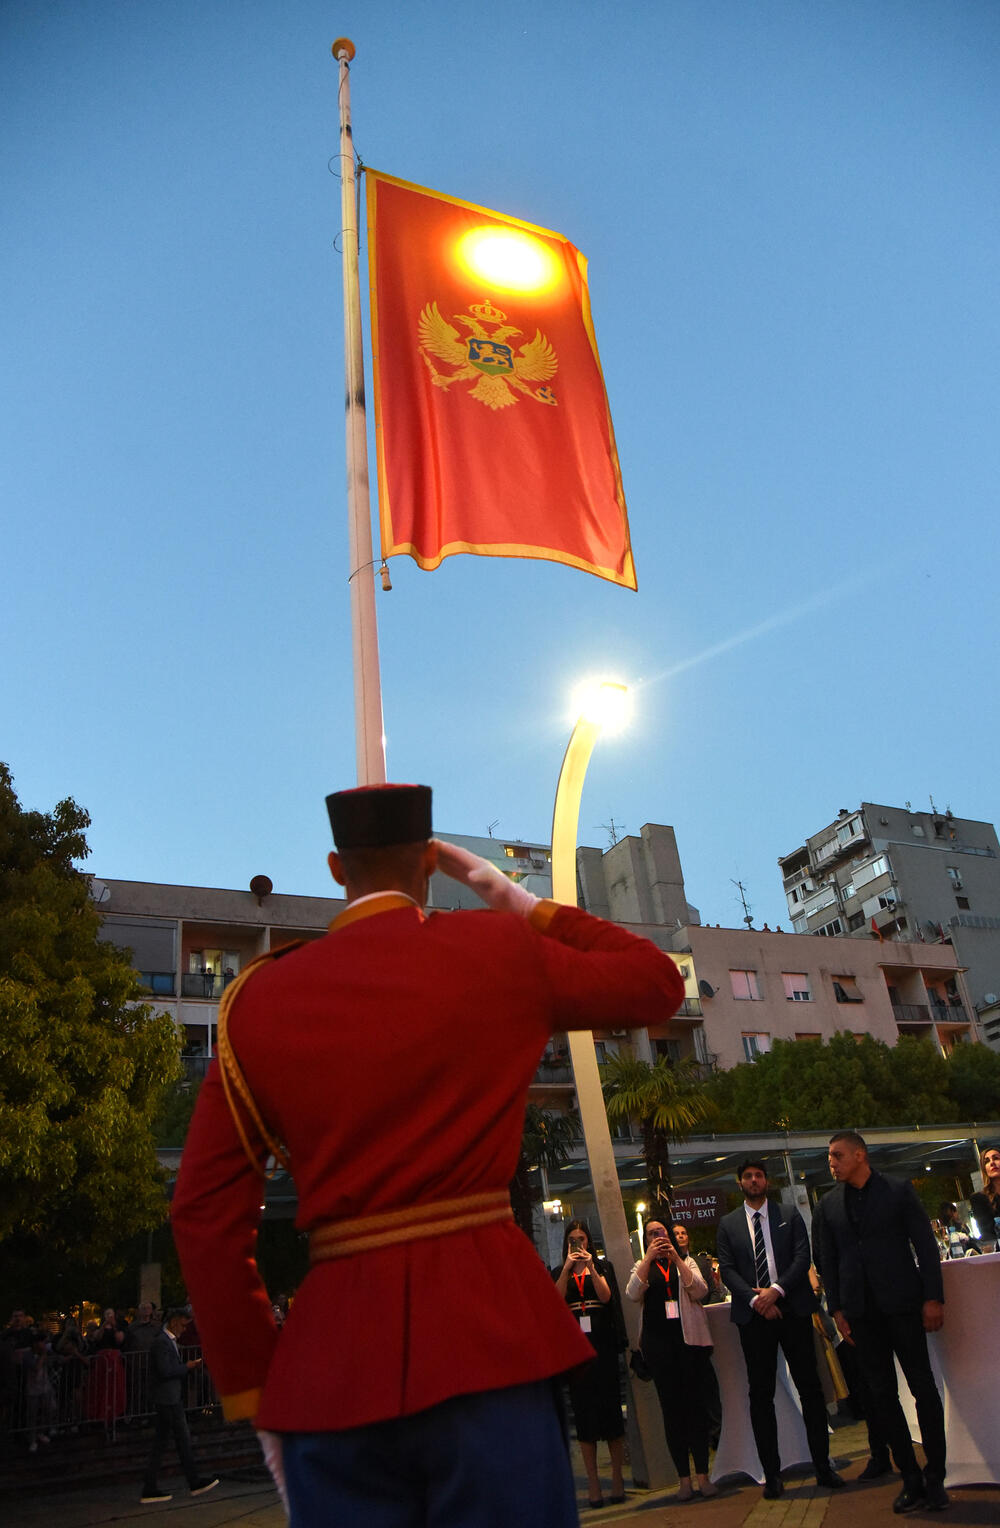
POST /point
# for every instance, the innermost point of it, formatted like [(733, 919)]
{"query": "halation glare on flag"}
[(493, 433)]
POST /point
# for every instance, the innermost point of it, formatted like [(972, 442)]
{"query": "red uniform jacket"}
[(393, 1057)]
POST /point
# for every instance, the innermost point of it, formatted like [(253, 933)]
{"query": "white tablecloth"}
[(965, 1357), (737, 1451)]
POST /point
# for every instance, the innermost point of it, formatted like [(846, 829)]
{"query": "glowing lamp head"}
[(505, 260), (604, 703)]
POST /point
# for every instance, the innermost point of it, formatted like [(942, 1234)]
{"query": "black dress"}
[(987, 1219), (594, 1388)]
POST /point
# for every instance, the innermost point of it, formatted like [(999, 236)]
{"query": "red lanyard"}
[(579, 1279), (671, 1289)]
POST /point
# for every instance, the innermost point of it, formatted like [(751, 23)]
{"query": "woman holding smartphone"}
[(586, 1284), (677, 1345)]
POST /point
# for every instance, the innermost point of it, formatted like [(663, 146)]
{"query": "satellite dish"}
[(706, 989), (99, 893), (261, 886), (989, 997)]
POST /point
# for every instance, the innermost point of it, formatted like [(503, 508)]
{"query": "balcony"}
[(689, 1009), (158, 983), (911, 1013), (554, 1069), (204, 984), (194, 1067)]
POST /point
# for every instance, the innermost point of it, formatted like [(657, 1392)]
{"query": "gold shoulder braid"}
[(234, 1083)]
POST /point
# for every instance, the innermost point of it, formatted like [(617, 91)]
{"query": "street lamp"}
[(602, 706)]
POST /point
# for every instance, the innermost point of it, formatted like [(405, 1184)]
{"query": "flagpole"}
[(369, 739)]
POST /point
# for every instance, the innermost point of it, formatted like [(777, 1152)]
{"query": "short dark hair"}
[(176, 1312), (751, 1162), (372, 869), (851, 1138)]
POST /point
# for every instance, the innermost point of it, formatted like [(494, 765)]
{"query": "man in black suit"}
[(885, 1304), (168, 1373), (764, 1260)]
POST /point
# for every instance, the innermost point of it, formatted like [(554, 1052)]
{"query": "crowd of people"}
[(58, 1375), (880, 1256)]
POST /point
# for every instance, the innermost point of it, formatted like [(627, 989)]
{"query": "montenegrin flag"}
[(492, 426)]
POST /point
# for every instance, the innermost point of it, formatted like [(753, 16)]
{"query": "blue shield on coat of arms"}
[(490, 357)]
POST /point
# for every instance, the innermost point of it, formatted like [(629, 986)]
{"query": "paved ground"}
[(738, 1505)]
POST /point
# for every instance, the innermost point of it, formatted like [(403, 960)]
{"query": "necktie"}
[(760, 1253)]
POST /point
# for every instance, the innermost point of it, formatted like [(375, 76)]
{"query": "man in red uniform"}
[(388, 1064)]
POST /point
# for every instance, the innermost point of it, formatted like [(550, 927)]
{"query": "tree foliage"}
[(974, 1082), (846, 1082), (82, 1062), (546, 1142), (667, 1098)]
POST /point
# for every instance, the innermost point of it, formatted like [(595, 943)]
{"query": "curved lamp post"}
[(602, 707)]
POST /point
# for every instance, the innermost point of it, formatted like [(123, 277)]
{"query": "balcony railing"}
[(554, 1069), (207, 984), (689, 1009), (911, 1013), (158, 983)]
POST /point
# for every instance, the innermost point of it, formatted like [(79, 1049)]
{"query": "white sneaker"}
[(155, 1493), (201, 1486)]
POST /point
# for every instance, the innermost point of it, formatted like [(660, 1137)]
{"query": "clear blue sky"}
[(791, 216)]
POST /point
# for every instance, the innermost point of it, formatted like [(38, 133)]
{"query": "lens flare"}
[(603, 702), (508, 261)]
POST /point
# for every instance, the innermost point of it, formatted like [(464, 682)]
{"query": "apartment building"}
[(743, 988), (891, 874)]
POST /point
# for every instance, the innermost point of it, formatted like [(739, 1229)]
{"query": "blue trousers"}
[(490, 1460)]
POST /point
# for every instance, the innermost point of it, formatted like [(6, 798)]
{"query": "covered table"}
[(737, 1451), (965, 1357)]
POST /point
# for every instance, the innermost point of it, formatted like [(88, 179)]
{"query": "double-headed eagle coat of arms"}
[(485, 356)]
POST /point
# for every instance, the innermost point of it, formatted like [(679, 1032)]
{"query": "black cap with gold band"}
[(375, 816)]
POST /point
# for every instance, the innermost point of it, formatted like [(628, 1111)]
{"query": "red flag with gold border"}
[(493, 431)]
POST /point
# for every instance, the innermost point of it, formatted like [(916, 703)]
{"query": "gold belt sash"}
[(343, 1238)]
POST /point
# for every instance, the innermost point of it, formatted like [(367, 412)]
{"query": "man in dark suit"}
[(885, 1304), (764, 1260), (168, 1373)]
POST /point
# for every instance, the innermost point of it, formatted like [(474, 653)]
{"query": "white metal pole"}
[(651, 1464), (369, 739)]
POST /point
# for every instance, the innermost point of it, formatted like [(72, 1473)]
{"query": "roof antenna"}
[(494, 824), (613, 830), (747, 914)]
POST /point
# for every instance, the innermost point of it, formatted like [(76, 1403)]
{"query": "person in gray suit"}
[(885, 1303), (168, 1373), (764, 1260)]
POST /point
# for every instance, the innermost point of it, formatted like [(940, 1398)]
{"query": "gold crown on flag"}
[(487, 313)]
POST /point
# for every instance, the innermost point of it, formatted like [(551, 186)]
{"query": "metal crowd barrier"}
[(102, 1393)]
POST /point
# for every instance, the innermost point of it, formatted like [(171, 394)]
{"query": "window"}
[(871, 871), (810, 1035), (796, 986), (849, 830), (755, 1045), (845, 990), (847, 890), (962, 902), (830, 929), (955, 877), (800, 925), (744, 985), (701, 1045), (856, 920), (671, 1049)]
